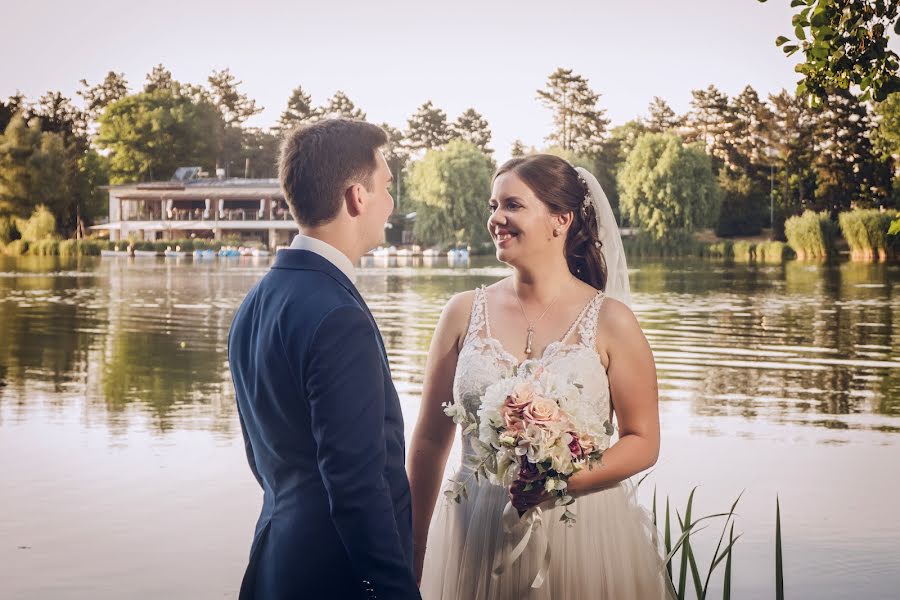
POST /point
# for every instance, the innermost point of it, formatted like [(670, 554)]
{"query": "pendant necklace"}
[(530, 338)]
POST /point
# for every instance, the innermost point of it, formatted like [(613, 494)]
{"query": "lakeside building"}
[(194, 206)]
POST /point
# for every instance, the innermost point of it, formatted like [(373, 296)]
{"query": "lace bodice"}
[(483, 360)]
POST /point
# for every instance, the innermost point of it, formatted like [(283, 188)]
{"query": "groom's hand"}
[(523, 499)]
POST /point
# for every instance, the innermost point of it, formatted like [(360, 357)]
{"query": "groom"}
[(319, 413)]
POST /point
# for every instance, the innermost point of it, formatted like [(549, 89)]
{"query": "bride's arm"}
[(635, 396), (433, 435)]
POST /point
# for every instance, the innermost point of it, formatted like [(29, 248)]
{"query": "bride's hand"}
[(523, 500)]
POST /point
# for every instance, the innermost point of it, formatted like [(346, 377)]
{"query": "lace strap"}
[(587, 325), (478, 318)]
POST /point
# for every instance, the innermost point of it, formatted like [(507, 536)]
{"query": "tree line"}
[(718, 165)]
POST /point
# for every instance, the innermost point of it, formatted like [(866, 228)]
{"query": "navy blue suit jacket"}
[(324, 437)]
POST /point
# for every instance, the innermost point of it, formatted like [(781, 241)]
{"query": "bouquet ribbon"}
[(534, 520)]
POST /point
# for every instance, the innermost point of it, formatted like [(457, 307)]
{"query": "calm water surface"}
[(123, 473)]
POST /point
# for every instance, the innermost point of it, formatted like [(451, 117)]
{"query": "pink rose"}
[(512, 421), (519, 399), (542, 410), (575, 446)]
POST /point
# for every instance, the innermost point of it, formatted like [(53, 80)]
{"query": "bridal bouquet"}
[(533, 427)]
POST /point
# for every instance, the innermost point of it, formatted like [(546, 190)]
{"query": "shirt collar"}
[(328, 252)]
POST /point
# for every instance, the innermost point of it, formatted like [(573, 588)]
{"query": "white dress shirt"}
[(328, 252)]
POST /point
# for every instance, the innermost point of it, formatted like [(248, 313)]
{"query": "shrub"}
[(811, 235)]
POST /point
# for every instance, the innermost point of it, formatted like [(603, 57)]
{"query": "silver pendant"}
[(528, 341)]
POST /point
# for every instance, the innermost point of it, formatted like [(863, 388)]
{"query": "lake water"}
[(123, 473)]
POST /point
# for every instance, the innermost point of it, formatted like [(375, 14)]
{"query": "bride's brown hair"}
[(556, 183)]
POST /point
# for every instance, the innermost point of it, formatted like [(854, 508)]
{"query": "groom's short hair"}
[(318, 162)]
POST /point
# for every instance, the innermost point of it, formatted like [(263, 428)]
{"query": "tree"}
[(150, 134), (18, 144), (666, 186), (57, 114), (709, 122), (159, 78), (450, 186), (471, 127), (622, 139), (235, 108), (340, 106), (51, 177), (299, 110), (847, 171), (41, 225), (99, 96), (427, 128), (15, 104), (234, 105), (33, 169), (844, 43), (886, 137), (517, 149), (662, 118), (259, 153), (791, 137), (397, 156), (580, 125)]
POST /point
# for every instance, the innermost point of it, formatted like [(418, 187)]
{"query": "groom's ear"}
[(353, 199)]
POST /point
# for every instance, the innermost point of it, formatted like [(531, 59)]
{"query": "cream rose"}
[(541, 410)]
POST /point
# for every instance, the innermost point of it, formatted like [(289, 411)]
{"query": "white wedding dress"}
[(612, 551)]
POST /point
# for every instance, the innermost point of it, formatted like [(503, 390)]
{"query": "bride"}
[(565, 308)]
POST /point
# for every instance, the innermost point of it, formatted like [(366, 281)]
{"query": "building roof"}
[(234, 187)]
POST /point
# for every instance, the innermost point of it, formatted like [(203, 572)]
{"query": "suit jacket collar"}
[(304, 260)]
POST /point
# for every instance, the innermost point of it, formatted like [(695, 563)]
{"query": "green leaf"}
[(795, 3), (689, 552), (789, 50), (779, 567), (726, 591), (781, 40), (682, 575), (712, 566), (668, 540), (895, 227)]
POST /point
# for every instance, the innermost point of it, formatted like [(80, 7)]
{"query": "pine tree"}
[(471, 127), (791, 137), (847, 171), (427, 128), (709, 122), (580, 125), (159, 77), (517, 149), (99, 96), (340, 106), (299, 110), (662, 118)]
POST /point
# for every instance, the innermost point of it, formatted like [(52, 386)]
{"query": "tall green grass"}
[(812, 235), (866, 232), (683, 549)]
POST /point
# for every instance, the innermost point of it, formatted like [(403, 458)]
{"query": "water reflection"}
[(116, 400), (809, 344)]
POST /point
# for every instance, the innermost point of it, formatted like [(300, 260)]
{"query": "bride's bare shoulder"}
[(617, 319)]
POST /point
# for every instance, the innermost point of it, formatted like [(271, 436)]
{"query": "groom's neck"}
[(339, 237)]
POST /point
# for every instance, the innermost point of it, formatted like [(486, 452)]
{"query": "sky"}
[(390, 56)]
